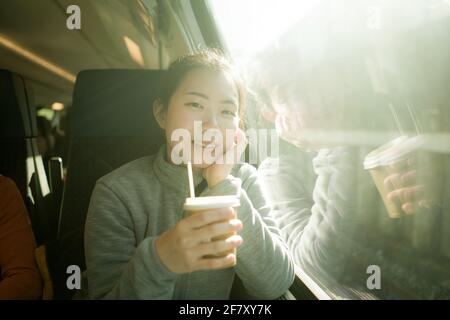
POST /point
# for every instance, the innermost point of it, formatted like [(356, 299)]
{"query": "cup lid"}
[(213, 202), (373, 159), (401, 151)]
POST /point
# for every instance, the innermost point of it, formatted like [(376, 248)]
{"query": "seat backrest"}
[(19, 155), (17, 127), (110, 123)]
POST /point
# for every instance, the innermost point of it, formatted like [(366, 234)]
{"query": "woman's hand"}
[(218, 171), (183, 247), (411, 188)]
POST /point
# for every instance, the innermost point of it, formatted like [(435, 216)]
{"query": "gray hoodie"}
[(317, 203), (133, 205)]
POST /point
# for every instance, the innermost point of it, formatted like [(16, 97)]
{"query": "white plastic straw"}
[(191, 179), (397, 121), (414, 119)]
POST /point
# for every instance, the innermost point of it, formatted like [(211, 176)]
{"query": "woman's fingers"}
[(234, 152), (216, 229), (392, 182), (202, 218), (409, 208), (409, 178), (425, 204), (199, 252), (408, 194), (410, 199), (218, 246)]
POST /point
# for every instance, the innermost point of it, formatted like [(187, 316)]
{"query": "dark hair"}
[(209, 59)]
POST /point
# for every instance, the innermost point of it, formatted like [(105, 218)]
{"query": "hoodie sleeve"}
[(117, 266), (317, 223), (263, 262), (20, 277)]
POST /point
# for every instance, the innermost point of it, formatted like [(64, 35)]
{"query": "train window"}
[(358, 94), (347, 117)]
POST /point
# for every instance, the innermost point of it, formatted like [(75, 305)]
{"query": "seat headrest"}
[(17, 113), (115, 103)]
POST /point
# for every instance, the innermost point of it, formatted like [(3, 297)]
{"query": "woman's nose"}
[(210, 120)]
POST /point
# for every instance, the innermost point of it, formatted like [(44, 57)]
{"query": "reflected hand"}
[(407, 191)]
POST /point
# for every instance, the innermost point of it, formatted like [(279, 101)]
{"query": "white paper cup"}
[(198, 204)]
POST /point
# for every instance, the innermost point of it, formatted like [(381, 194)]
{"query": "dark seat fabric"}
[(19, 156), (16, 128), (110, 123)]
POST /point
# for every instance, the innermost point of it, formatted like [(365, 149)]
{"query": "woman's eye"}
[(194, 105), (229, 113)]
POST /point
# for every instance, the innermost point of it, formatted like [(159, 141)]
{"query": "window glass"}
[(357, 92)]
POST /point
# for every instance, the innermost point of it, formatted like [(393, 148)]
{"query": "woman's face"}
[(205, 106), (297, 121)]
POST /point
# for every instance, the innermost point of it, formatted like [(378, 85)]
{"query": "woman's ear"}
[(159, 113)]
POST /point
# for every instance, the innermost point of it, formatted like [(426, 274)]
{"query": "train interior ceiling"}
[(114, 34), (47, 69)]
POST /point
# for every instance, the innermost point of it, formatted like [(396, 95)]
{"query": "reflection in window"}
[(358, 93)]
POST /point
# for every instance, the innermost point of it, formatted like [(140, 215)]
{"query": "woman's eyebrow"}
[(194, 93), (229, 101)]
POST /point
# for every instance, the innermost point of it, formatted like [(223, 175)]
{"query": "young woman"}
[(139, 242)]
